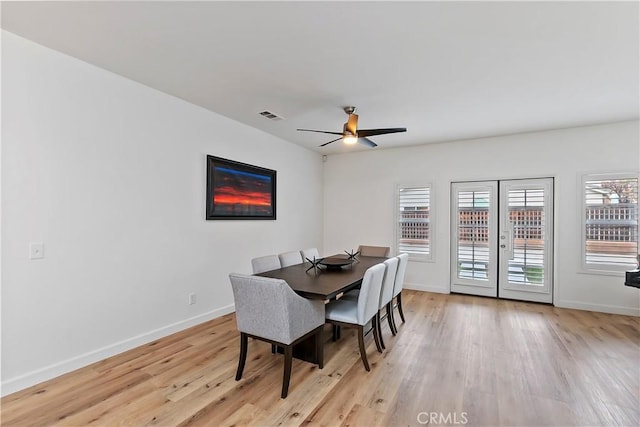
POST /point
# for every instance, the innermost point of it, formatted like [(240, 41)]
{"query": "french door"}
[(502, 238)]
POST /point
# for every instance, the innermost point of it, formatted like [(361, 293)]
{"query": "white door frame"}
[(485, 284), (521, 285)]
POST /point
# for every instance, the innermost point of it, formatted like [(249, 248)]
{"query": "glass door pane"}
[(473, 238)]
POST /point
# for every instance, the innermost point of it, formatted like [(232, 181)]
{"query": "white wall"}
[(360, 199), (110, 176)]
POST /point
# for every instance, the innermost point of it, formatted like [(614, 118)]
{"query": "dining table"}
[(329, 280)]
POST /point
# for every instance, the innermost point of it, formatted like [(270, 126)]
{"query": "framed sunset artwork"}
[(239, 191)]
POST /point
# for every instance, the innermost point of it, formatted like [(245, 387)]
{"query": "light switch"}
[(36, 250)]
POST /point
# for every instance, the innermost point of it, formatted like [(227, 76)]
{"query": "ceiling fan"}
[(351, 134)]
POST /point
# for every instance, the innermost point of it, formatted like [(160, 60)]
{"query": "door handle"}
[(508, 235)]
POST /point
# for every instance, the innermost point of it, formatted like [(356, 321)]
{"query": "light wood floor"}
[(489, 362)]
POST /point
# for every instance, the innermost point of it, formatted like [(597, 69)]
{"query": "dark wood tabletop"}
[(326, 284)]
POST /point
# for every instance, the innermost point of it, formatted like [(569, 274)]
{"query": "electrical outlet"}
[(36, 250), (192, 299)]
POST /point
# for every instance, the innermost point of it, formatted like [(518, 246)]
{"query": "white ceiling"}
[(445, 70)]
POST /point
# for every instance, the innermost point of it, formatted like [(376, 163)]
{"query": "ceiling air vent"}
[(271, 116)]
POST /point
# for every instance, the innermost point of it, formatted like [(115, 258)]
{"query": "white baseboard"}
[(425, 288), (43, 374), (602, 308)]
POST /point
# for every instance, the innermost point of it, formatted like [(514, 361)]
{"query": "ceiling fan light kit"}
[(349, 139), (350, 133)]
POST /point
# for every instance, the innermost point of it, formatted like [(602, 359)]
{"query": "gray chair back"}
[(379, 251), (310, 253), (369, 296), (265, 263), (403, 260), (386, 294), (290, 258), (270, 309)]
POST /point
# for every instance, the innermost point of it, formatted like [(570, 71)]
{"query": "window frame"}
[(602, 268), (412, 255)]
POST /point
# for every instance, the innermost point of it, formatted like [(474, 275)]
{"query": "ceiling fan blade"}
[(327, 143), (372, 132), (352, 123), (320, 131), (367, 142)]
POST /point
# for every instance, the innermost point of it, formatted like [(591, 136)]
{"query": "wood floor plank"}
[(110, 409), (498, 362), (363, 416), (78, 399), (247, 415), (21, 403)]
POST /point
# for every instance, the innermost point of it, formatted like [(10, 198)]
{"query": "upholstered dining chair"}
[(311, 253), (265, 263), (349, 313), (269, 310), (290, 258), (386, 297), (381, 251), (403, 260)]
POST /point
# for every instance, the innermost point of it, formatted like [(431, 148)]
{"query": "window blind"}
[(413, 234), (610, 221)]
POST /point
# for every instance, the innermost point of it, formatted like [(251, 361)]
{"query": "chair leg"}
[(363, 353), (273, 348), (400, 306), (374, 331), (288, 356), (320, 347), (243, 355), (390, 318), (379, 327)]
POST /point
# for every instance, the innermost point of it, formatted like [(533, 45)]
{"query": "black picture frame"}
[(238, 190)]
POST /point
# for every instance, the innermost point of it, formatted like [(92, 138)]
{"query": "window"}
[(610, 221), (413, 235)]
